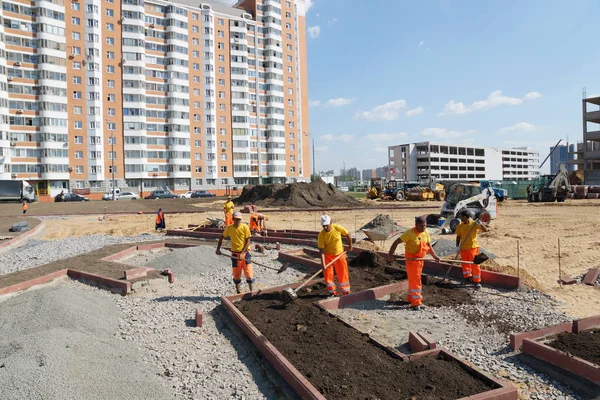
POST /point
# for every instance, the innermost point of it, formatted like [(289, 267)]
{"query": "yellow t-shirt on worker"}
[(331, 242), (412, 240), (228, 207), (471, 241), (238, 236)]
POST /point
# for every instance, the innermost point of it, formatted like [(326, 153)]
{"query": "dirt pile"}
[(369, 270), (297, 195), (576, 177), (382, 223), (442, 294), (342, 363), (526, 278), (585, 345)]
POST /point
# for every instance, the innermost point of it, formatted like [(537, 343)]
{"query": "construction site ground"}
[(174, 358)]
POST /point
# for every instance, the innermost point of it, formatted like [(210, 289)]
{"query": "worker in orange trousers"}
[(466, 241), (330, 245), (258, 223), (241, 260), (25, 207), (160, 220), (228, 210), (417, 244)]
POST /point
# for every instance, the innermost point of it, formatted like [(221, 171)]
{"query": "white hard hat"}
[(325, 219)]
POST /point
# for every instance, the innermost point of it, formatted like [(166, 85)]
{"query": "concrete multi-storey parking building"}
[(184, 94), (439, 161)]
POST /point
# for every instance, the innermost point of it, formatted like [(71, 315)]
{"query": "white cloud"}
[(339, 102), (318, 15), (332, 21), (308, 4), (388, 111), (532, 95), (314, 31), (442, 133), (415, 111), (521, 127), (344, 138), (386, 137), (314, 103), (321, 148), (421, 43), (495, 99)]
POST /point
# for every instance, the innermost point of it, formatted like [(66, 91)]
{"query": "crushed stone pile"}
[(297, 195), (382, 223)]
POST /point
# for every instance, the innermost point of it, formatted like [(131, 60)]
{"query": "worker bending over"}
[(417, 244), (228, 210), (330, 245), (160, 220), (466, 241), (258, 223), (240, 242)]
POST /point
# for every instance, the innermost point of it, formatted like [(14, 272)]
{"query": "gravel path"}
[(61, 342), (476, 332)]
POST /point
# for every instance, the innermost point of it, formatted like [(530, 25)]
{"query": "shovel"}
[(479, 259), (290, 294), (279, 270)]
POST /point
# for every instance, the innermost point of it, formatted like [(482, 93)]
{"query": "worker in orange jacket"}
[(160, 220), (228, 211), (417, 244), (25, 207), (330, 245), (258, 223), (466, 241)]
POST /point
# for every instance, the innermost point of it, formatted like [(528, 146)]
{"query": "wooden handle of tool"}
[(319, 271), (442, 261), (253, 262)]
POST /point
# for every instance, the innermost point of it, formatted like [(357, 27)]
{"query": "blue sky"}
[(490, 73)]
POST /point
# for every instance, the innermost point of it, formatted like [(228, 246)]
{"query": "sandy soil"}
[(537, 227)]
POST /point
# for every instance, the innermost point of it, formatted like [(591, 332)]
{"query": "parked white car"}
[(186, 195), (128, 196), (108, 196)]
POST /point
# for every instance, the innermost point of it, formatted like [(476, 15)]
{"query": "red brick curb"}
[(170, 275), (416, 343), (262, 239), (136, 273), (124, 287), (516, 339), (586, 323), (198, 318), (34, 282), (567, 280), (563, 360), (363, 295), (591, 276), (18, 239), (431, 344), (120, 254)]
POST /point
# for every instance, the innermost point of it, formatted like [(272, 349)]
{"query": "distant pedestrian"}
[(25, 207), (160, 220)]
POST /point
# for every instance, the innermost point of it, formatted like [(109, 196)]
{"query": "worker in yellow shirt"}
[(240, 242), (466, 241), (228, 210), (417, 244), (330, 245)]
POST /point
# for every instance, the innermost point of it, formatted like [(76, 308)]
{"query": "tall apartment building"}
[(426, 160), (184, 94), (562, 155)]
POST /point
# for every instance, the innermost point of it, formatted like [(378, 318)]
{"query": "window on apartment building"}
[(77, 124), (290, 91), (197, 117), (288, 36), (222, 119), (288, 26), (196, 92), (292, 135), (75, 6), (210, 118), (288, 14), (223, 157), (195, 17), (287, 4), (195, 29), (110, 97), (111, 140), (220, 46), (291, 113), (77, 110), (75, 21), (221, 82), (220, 21), (75, 35), (290, 102), (221, 70), (223, 132), (110, 69), (196, 104), (110, 168), (199, 169), (111, 126), (196, 42), (110, 83), (222, 107), (289, 69), (291, 124), (210, 131), (221, 95), (110, 112), (289, 58), (223, 169), (77, 80), (290, 80), (110, 55), (95, 170), (112, 155), (208, 31), (79, 155), (223, 144), (110, 27), (78, 139), (292, 147), (198, 156), (76, 65), (196, 79), (77, 95), (110, 12), (79, 169), (292, 169), (197, 143), (220, 34)]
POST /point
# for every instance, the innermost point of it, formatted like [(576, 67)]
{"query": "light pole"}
[(112, 157), (257, 105)]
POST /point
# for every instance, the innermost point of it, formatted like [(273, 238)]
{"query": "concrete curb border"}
[(586, 323), (516, 339), (123, 286), (34, 282), (575, 365), (265, 239), (16, 241)]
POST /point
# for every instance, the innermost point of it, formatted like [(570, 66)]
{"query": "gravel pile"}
[(446, 247), (477, 332), (216, 361), (61, 342), (39, 252)]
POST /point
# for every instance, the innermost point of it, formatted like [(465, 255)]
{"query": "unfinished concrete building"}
[(588, 152)]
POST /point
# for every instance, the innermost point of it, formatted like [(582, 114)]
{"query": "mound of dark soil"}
[(369, 269), (440, 294), (298, 195), (585, 345), (342, 363)]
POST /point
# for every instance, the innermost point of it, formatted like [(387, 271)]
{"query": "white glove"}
[(457, 249)]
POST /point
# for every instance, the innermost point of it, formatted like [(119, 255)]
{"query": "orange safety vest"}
[(25, 206), (424, 249), (254, 222), (159, 217)]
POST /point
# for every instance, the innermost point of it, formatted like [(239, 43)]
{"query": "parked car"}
[(202, 193), (344, 188), (186, 195), (70, 197), (128, 196), (109, 195), (161, 194)]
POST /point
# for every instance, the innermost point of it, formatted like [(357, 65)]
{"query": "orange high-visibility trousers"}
[(244, 264), (470, 270), (414, 269), (341, 270), (228, 219)]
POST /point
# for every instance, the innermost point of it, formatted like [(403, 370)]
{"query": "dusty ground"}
[(537, 227), (6, 223)]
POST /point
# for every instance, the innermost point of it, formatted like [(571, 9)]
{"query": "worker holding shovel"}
[(228, 211), (466, 243), (417, 244), (331, 246), (241, 259)]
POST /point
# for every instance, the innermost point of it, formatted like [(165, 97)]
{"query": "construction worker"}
[(258, 223), (240, 242), (417, 244), (25, 207), (228, 210), (466, 242), (160, 220), (330, 245)]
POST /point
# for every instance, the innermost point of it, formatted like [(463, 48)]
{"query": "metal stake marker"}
[(559, 266), (354, 224), (518, 260)]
